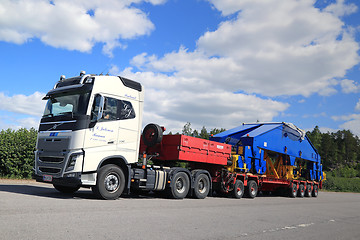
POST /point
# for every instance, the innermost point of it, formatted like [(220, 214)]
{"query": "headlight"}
[(72, 161)]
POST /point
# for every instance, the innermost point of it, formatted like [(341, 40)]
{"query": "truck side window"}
[(126, 110), (110, 109)]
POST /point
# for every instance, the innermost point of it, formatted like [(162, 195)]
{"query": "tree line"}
[(339, 151)]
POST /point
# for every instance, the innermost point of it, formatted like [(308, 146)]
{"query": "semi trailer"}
[(90, 135)]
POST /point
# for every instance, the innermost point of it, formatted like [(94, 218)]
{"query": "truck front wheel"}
[(179, 186), (110, 182)]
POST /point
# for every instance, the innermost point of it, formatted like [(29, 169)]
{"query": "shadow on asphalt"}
[(49, 192), (45, 192), (83, 193)]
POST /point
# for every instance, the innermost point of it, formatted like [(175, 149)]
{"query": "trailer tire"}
[(315, 191), (301, 192), (252, 189), (152, 134), (293, 191), (179, 186), (201, 186), (238, 191), (65, 189), (110, 182), (308, 190)]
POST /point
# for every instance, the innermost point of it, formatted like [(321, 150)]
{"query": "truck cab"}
[(90, 132)]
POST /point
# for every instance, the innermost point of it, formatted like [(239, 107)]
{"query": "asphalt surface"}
[(31, 210)]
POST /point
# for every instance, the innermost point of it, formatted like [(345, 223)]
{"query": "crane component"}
[(279, 150)]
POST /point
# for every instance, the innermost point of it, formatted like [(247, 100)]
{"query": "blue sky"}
[(214, 63)]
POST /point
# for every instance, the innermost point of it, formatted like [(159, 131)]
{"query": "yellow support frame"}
[(278, 169)]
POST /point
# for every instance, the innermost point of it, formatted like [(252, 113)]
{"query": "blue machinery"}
[(278, 150)]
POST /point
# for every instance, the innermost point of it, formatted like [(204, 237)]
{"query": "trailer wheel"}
[(202, 186), (301, 192), (293, 191), (238, 191), (315, 191), (308, 190), (179, 186), (65, 189), (152, 134), (252, 189), (110, 182)]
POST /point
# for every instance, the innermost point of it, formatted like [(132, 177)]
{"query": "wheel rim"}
[(294, 190), (252, 190), (180, 185), (202, 186), (111, 182), (238, 191)]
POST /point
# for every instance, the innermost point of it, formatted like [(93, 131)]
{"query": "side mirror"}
[(97, 108)]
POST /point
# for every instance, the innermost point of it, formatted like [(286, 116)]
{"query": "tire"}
[(179, 186), (65, 189), (315, 191), (238, 191), (293, 191), (301, 192), (201, 186), (308, 190), (152, 134), (252, 189), (110, 182)]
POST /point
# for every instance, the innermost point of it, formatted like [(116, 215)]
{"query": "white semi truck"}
[(90, 130), (90, 136)]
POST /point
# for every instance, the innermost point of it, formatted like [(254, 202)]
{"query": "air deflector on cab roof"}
[(131, 84)]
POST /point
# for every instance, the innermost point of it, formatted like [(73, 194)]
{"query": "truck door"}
[(128, 130), (105, 130), (102, 135)]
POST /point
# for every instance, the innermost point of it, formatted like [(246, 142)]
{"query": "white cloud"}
[(351, 122), (73, 25), (29, 105), (175, 100), (286, 47), (357, 107), (17, 121), (339, 8), (326, 130), (349, 86), (267, 48)]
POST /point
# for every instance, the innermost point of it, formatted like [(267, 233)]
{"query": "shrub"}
[(17, 152), (342, 184)]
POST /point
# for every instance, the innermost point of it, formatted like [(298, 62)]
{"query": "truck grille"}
[(49, 170), (51, 159)]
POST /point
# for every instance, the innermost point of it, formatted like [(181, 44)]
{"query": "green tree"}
[(216, 131), (187, 130), (204, 133)]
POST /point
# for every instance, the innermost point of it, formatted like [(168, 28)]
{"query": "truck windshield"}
[(67, 104)]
